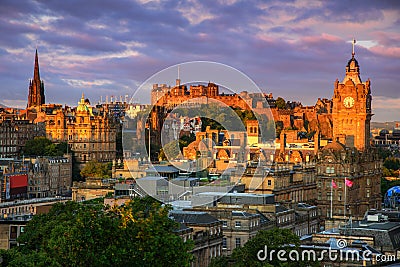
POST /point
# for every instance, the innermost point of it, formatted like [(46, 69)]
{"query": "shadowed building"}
[(36, 96)]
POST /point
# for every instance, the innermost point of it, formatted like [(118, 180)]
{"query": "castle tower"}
[(351, 112), (36, 87)]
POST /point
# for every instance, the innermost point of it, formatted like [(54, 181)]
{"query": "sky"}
[(292, 49)]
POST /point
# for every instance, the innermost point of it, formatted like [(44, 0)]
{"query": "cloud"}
[(14, 103), (385, 108), (82, 83), (295, 49)]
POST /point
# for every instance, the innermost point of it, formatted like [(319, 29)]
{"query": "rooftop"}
[(193, 217)]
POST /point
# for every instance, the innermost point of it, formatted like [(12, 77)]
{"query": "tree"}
[(37, 146), (185, 140), (392, 163), (41, 146), (280, 103), (96, 169), (275, 239), (89, 234)]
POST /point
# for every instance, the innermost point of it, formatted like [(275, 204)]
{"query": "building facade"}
[(49, 176), (89, 131), (14, 133), (351, 112), (206, 234), (348, 181)]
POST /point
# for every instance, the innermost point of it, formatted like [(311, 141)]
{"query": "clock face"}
[(348, 102)]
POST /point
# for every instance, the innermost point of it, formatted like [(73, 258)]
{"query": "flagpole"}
[(345, 198), (331, 197)]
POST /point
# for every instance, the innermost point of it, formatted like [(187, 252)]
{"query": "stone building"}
[(351, 111), (36, 96), (92, 188), (206, 234), (14, 132), (335, 163), (49, 176), (289, 182), (239, 224), (90, 132), (349, 169)]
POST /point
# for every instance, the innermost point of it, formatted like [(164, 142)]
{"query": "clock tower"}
[(351, 111)]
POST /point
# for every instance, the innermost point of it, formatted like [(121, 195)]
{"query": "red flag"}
[(334, 185), (348, 182)]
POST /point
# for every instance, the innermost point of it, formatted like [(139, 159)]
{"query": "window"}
[(340, 196), (224, 224), (368, 193), (238, 224), (237, 242), (269, 182), (319, 196), (328, 196), (368, 181), (13, 232), (224, 246), (330, 170)]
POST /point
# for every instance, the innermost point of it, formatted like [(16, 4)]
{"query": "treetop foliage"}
[(41, 146), (78, 234)]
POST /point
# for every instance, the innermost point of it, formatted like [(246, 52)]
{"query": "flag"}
[(348, 182), (334, 185)]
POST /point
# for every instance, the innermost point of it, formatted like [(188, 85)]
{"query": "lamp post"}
[(148, 127)]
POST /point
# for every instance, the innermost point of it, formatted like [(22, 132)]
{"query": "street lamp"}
[(148, 127)]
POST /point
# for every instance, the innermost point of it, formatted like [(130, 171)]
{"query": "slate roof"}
[(193, 217), (243, 214), (162, 169)]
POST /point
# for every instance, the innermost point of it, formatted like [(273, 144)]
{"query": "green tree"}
[(89, 234), (37, 146), (274, 239), (392, 163), (280, 103), (185, 140), (96, 169), (41, 146)]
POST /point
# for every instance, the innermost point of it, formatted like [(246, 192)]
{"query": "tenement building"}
[(349, 169), (49, 176), (14, 133)]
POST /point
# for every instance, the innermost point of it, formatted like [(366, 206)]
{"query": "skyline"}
[(293, 49)]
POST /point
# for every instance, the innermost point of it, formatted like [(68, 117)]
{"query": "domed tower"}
[(351, 111)]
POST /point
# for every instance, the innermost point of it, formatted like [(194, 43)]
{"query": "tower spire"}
[(36, 75), (36, 95), (353, 42)]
